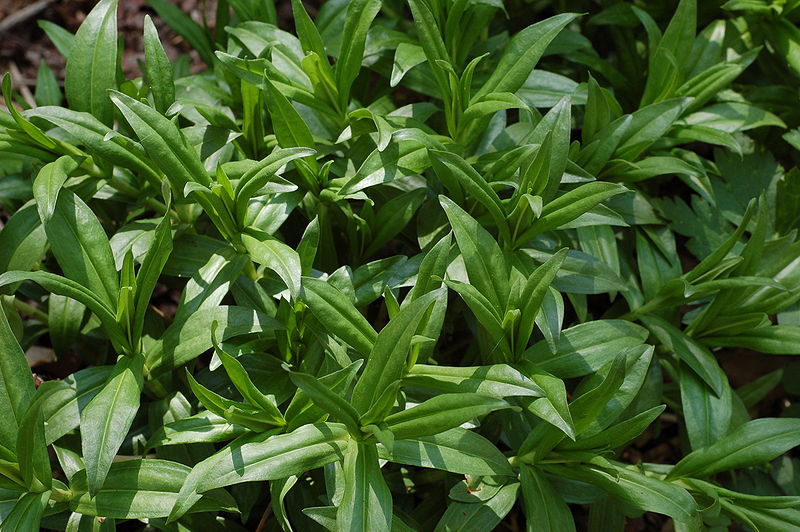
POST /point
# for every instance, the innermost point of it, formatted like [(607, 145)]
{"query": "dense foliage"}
[(407, 265)]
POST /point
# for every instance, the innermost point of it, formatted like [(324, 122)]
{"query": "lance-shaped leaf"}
[(441, 413), (336, 313), (245, 385), (543, 504), (185, 341), (187, 28), (62, 400), (328, 400), (16, 384), (261, 173), (775, 339), (87, 131), (74, 233), (265, 457), (157, 68), (483, 515), (367, 502), (756, 442), (498, 380), (360, 14), (707, 416), (166, 145), (456, 450), (618, 434), (635, 488), (699, 359), (522, 53), (34, 462), (475, 185), (105, 421), (388, 358), (66, 287), (484, 261), (26, 516), (202, 427), (143, 489), (569, 206), (92, 62), (533, 294), (587, 347), (275, 255)]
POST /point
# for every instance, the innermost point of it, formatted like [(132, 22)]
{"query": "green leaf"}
[(275, 255), (699, 359), (62, 401), (184, 341), (16, 384), (731, 117), (484, 261), (337, 314), (456, 450), (586, 347), (26, 126), (360, 14), (264, 457), (92, 63), (569, 206), (290, 128), (475, 185), (157, 68), (616, 435), (406, 57), (64, 321), (393, 217), (140, 489), (400, 159), (367, 502), (261, 173), (637, 489), (65, 287), (587, 408), (707, 416), (26, 516), (479, 516), (441, 413), (237, 413), (536, 288), (61, 38), (22, 240), (754, 443), (149, 273), (328, 400), (387, 360), (543, 505), (498, 380), (307, 31), (106, 419), (47, 90), (775, 339), (202, 427), (84, 129), (34, 462), (431, 269), (165, 144), (244, 384), (522, 53)]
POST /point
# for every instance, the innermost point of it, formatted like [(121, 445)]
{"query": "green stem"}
[(30, 310), (634, 314), (59, 495)]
